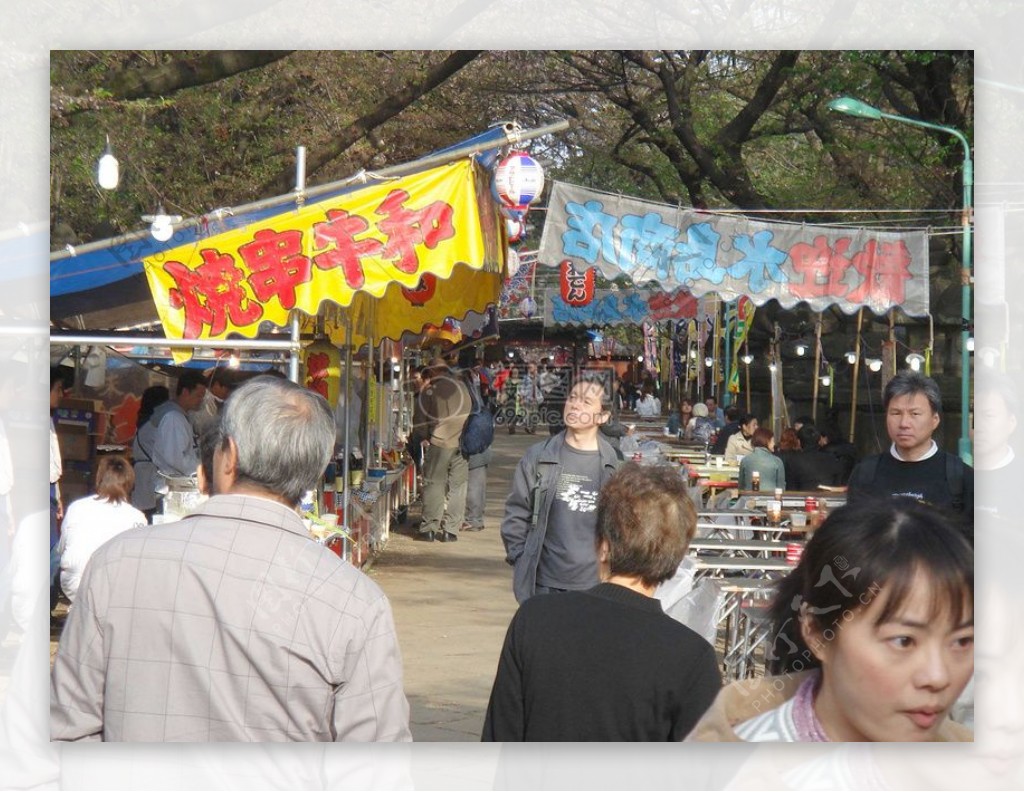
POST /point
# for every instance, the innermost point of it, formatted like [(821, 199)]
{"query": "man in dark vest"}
[(914, 466)]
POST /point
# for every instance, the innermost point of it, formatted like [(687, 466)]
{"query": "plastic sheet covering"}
[(695, 606)]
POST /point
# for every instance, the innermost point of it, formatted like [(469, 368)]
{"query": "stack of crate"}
[(81, 426)]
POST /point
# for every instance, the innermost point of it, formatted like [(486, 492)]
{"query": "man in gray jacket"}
[(550, 523)]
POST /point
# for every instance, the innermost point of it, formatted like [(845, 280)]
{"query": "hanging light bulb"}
[(851, 357), (709, 361), (801, 349), (970, 343), (826, 380), (915, 361), (639, 358), (234, 361), (875, 364), (108, 171), (772, 367), (747, 359), (693, 354), (161, 224)]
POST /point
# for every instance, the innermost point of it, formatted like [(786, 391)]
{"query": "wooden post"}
[(856, 375)]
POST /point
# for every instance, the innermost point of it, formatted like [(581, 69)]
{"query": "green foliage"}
[(218, 144)]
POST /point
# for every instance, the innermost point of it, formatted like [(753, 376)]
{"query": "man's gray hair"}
[(908, 383), (284, 434)]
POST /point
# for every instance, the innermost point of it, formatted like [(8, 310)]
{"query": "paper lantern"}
[(424, 290), (518, 180), (322, 361), (576, 288)]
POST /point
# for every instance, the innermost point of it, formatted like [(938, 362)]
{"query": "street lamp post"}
[(859, 109)]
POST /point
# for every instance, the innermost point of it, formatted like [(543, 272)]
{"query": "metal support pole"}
[(347, 432), (964, 446), (727, 359), (293, 360)]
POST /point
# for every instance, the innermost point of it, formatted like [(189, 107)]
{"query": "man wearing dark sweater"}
[(607, 664), (915, 467)]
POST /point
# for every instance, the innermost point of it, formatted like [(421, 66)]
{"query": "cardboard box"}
[(76, 445), (75, 481)]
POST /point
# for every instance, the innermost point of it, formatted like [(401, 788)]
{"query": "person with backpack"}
[(701, 427), (551, 513), (914, 466), (446, 406)]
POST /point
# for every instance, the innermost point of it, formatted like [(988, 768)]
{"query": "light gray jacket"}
[(529, 504)]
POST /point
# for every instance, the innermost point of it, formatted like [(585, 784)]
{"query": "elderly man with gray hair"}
[(232, 624), (914, 466)]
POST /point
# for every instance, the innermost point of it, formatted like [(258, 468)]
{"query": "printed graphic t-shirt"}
[(569, 557)]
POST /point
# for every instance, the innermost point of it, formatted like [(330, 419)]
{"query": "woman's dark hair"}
[(114, 478), (152, 398), (860, 551), (762, 437), (809, 437), (647, 518)]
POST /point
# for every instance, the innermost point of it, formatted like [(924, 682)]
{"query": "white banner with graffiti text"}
[(733, 256)]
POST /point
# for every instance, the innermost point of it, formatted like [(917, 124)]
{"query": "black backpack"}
[(478, 431)]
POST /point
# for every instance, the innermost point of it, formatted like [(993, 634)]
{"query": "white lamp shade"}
[(108, 172), (162, 230)]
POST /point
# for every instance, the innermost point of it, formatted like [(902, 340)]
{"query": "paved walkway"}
[(452, 604)]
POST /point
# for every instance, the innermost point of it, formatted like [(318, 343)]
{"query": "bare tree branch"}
[(187, 72), (387, 109)]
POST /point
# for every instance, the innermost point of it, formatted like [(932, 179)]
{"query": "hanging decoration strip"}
[(734, 256), (741, 322), (358, 244), (619, 307), (515, 301)]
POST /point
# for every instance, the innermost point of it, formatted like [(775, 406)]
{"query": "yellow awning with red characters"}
[(397, 255)]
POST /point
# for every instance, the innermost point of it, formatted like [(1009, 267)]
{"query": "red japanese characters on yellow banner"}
[(332, 250)]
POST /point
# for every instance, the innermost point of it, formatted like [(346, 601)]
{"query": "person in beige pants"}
[(446, 405)]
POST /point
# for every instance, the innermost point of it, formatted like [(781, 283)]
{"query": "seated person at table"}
[(763, 460), (732, 426), (813, 466), (880, 610), (677, 420), (648, 405), (608, 664), (739, 444), (700, 428)]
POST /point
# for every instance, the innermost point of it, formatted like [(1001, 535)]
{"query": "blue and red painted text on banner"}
[(734, 256)]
